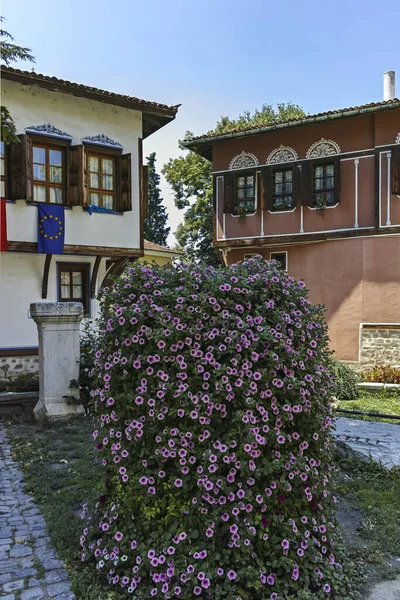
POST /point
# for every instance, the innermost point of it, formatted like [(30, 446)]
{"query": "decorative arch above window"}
[(102, 140), (281, 155), (48, 130), (243, 160), (323, 148), (398, 139)]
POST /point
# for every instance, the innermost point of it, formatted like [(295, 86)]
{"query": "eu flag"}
[(51, 228)]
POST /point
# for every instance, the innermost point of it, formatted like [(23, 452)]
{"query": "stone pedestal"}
[(58, 329)]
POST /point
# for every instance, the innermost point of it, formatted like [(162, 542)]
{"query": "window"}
[(102, 181), (283, 197), (323, 193), (48, 174), (2, 170), (281, 258), (73, 283), (245, 194)]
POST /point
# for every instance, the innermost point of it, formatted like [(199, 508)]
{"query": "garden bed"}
[(384, 401)]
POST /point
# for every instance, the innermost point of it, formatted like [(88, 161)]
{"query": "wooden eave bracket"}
[(45, 279), (94, 277)]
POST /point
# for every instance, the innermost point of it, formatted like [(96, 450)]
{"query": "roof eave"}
[(204, 147)]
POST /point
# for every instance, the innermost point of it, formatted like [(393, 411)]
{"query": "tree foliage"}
[(190, 177), (155, 225), (9, 53)]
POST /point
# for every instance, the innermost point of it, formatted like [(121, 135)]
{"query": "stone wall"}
[(12, 366), (380, 344)]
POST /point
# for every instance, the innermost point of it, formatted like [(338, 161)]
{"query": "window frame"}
[(103, 152), (236, 201), (70, 267), (282, 252), (52, 143), (283, 169), (336, 185)]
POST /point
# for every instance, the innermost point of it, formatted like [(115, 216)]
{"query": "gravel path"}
[(29, 566), (380, 441)]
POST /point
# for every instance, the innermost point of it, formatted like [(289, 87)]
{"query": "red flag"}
[(3, 225)]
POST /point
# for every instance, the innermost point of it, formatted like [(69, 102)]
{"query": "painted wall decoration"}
[(243, 160), (48, 130), (323, 148), (281, 155)]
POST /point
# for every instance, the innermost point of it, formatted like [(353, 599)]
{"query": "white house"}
[(80, 147)]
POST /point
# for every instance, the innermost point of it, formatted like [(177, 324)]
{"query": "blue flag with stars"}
[(51, 228)]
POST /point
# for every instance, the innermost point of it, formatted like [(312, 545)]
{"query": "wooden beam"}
[(94, 276), (115, 269), (32, 247), (45, 279), (307, 237)]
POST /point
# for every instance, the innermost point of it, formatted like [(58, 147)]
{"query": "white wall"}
[(20, 284), (79, 117)]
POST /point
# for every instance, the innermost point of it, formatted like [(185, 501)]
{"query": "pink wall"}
[(358, 280)]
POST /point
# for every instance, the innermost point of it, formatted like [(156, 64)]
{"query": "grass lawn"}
[(62, 473), (387, 402)]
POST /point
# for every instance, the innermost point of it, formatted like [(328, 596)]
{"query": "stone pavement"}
[(388, 590), (29, 566), (379, 441)]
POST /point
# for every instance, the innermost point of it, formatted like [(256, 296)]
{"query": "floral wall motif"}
[(48, 129), (243, 160), (101, 140), (281, 155), (323, 148)]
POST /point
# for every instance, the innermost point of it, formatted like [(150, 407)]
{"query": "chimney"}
[(389, 85)]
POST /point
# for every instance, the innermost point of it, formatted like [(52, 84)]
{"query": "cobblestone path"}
[(29, 566), (379, 441)]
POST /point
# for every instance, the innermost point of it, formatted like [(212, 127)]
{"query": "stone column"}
[(59, 350)]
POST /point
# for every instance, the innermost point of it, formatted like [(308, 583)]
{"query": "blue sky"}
[(215, 57)]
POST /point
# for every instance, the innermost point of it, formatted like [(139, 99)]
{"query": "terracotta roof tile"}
[(159, 248)]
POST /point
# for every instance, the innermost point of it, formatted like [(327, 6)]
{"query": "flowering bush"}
[(381, 374), (215, 432)]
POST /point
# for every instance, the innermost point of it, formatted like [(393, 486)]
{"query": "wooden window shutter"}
[(229, 190), (295, 186), (259, 189), (125, 183), (396, 170), (145, 176), (77, 187), (337, 180), (306, 192), (268, 199), (20, 169)]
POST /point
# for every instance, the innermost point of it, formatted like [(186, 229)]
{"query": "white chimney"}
[(389, 85)]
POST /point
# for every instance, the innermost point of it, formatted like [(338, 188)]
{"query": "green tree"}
[(155, 225), (9, 53), (190, 177)]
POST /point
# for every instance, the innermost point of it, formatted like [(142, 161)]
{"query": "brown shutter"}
[(259, 189), (20, 169), (294, 184), (337, 180), (76, 176), (145, 191), (267, 176), (306, 193), (229, 185), (125, 183), (396, 170)]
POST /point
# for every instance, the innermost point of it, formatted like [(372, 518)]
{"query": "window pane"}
[(241, 193), (108, 166), (56, 158), (94, 199), (2, 189), (39, 193), (65, 292), (77, 277), (93, 164), (65, 277), (56, 195), (39, 172), (329, 183), (278, 176), (77, 292), (240, 181), (55, 174), (289, 187), (108, 182), (94, 180), (278, 189), (288, 175), (250, 180), (250, 192), (329, 169), (319, 171), (108, 201), (39, 155)]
